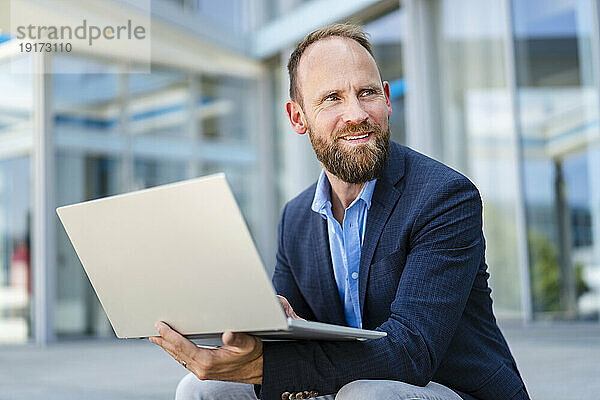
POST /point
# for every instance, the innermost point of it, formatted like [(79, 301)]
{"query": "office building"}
[(505, 91)]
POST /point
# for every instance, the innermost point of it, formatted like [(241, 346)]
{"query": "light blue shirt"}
[(345, 244)]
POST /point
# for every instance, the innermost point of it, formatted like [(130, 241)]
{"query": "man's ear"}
[(296, 116), (388, 101)]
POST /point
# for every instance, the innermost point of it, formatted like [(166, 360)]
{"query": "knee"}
[(361, 389), (190, 388), (374, 389)]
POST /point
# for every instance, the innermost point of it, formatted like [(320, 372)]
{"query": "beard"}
[(353, 163)]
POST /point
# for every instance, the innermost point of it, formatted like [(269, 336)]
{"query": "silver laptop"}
[(181, 253)]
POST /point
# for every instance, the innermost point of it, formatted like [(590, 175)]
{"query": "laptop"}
[(182, 253)]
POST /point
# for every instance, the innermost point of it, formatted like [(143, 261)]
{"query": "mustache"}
[(358, 128)]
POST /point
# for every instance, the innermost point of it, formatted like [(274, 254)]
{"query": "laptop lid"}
[(179, 253)]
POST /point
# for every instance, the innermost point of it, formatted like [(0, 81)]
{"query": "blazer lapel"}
[(331, 301), (385, 197)]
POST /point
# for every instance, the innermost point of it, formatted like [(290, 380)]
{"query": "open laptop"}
[(181, 253)]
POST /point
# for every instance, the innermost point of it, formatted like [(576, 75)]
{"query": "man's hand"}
[(238, 360), (287, 308)]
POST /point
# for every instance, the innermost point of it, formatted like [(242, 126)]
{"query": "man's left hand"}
[(238, 360)]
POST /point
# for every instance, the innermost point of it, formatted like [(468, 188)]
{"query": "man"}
[(387, 239)]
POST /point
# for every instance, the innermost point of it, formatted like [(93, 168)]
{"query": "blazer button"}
[(285, 396)]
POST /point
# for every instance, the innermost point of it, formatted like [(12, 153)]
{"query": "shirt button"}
[(354, 275)]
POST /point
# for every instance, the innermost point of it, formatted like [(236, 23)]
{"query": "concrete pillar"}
[(43, 204), (567, 292), (422, 72), (265, 189)]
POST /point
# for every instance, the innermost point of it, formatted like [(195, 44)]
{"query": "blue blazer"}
[(422, 280)]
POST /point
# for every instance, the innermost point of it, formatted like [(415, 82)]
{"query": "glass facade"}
[(558, 109), (15, 245), (515, 85), (16, 114), (387, 35), (478, 135), (16, 110), (117, 132), (228, 13)]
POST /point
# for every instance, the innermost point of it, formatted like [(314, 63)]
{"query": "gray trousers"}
[(191, 388)]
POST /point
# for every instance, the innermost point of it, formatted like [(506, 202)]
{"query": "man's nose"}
[(354, 112)]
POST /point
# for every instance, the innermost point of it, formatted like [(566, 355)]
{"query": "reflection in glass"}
[(228, 13), (16, 104), (15, 249), (387, 34), (158, 103), (224, 107), (479, 137), (84, 103), (559, 127), (149, 173), (15, 109)]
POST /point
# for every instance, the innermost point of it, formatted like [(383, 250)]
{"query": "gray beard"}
[(358, 165)]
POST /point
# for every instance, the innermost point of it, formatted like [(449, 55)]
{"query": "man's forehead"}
[(325, 55), (324, 47)]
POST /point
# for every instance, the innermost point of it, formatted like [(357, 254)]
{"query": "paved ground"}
[(557, 362)]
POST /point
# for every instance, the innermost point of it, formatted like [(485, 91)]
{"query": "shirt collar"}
[(322, 194), (366, 194), (322, 197)]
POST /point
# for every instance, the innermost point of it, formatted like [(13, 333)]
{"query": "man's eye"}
[(332, 97), (367, 92)]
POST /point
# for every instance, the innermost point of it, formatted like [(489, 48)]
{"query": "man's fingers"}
[(241, 352), (289, 311), (171, 335), (155, 339), (287, 307), (242, 344), (166, 331), (238, 340), (179, 347), (159, 341)]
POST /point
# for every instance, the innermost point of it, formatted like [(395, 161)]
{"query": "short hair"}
[(350, 31)]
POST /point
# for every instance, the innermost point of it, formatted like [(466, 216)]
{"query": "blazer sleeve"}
[(446, 249), (283, 280)]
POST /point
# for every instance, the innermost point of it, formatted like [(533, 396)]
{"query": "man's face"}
[(346, 107)]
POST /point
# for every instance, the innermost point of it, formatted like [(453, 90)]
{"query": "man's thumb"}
[(236, 339)]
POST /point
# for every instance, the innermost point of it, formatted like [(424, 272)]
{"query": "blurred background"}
[(505, 91)]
